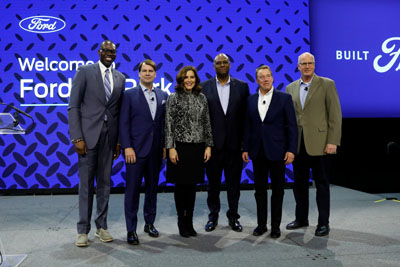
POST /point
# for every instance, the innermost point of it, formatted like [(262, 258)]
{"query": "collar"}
[(301, 81), (144, 88), (104, 68), (227, 83), (267, 94)]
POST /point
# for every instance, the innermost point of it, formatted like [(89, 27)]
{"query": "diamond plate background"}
[(172, 33)]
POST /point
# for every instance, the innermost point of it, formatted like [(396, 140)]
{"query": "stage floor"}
[(363, 233)]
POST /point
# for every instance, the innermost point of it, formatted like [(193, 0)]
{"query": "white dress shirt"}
[(263, 103)]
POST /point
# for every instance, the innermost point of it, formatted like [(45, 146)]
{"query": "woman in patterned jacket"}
[(188, 139)]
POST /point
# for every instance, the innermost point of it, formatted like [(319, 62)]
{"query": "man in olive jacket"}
[(319, 121)]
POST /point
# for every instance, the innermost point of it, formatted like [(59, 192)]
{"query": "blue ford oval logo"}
[(42, 24)]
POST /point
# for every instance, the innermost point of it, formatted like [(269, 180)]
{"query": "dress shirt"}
[(223, 93), (187, 119), (103, 73), (263, 103), (151, 99), (304, 91)]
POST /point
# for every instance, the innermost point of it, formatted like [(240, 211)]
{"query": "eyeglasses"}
[(306, 64), (108, 51), (219, 63)]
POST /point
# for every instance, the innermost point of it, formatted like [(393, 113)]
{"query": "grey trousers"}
[(95, 165)]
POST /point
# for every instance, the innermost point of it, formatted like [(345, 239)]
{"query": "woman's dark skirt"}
[(190, 167)]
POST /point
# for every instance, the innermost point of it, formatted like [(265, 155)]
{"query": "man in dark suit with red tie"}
[(93, 114), (227, 104), (271, 142), (141, 135)]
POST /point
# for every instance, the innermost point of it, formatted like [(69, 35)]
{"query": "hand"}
[(207, 154), (164, 153), (245, 157), (117, 151), (289, 157), (330, 149), (173, 156), (80, 147), (130, 155)]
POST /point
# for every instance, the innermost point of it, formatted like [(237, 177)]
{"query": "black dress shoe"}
[(275, 233), (151, 230), (132, 238), (322, 230), (235, 225), (260, 230), (296, 225), (210, 226)]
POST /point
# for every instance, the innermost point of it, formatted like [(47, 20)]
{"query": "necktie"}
[(107, 84)]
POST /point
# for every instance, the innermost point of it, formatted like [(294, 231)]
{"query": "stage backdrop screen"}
[(43, 42), (357, 44)]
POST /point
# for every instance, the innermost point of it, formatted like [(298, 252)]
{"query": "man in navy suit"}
[(141, 134), (271, 142), (226, 98), (93, 114)]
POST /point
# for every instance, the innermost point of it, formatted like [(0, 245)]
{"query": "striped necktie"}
[(107, 84)]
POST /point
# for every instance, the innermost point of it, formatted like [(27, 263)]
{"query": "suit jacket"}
[(227, 130), (320, 121), (277, 134), (88, 105), (137, 129)]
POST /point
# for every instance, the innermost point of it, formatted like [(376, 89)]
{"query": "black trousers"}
[(321, 167), (230, 162), (262, 166)]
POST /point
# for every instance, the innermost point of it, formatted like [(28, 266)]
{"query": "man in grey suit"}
[(319, 121), (93, 115)]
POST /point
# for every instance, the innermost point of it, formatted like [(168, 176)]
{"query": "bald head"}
[(222, 66)]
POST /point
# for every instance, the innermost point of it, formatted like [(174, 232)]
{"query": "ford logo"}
[(42, 24)]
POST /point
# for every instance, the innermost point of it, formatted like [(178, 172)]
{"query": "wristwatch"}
[(74, 141)]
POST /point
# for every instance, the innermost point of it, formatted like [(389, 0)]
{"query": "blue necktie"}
[(107, 84)]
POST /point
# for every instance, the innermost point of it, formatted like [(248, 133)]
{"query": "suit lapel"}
[(214, 92), (254, 103), (312, 89), (232, 95), (115, 82), (142, 99), (272, 105), (296, 95), (101, 92), (159, 101)]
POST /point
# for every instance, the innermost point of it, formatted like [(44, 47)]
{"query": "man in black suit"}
[(93, 114), (271, 141), (227, 104)]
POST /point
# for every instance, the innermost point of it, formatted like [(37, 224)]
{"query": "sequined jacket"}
[(187, 119)]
